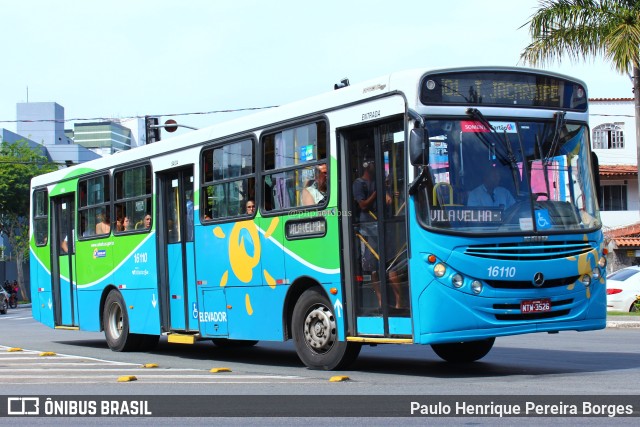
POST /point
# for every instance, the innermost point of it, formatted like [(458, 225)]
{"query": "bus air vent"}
[(528, 284), (529, 251)]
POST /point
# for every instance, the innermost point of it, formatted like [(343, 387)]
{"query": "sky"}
[(123, 58)]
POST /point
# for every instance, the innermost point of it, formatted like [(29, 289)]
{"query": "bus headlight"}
[(457, 280), (476, 286), (586, 280), (439, 269), (602, 262), (596, 273)]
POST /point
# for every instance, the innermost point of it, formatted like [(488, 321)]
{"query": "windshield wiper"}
[(545, 159), (545, 167), (560, 123), (474, 113)]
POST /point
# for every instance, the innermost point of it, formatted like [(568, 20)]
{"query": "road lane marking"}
[(27, 367)]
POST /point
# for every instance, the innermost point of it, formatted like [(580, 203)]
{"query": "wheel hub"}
[(115, 321), (320, 329)]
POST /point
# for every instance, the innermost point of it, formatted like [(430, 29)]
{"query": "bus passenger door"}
[(63, 285), (375, 255), (175, 230)]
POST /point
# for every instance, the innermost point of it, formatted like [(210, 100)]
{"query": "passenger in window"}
[(364, 193), (189, 209), (126, 224), (490, 193), (250, 207), (103, 225), (144, 223), (119, 216), (315, 193), (397, 274), (395, 203), (64, 246)]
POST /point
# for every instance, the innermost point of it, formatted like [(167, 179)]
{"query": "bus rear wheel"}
[(315, 334), (115, 322), (463, 352)]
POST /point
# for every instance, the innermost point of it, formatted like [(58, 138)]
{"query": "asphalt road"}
[(605, 362)]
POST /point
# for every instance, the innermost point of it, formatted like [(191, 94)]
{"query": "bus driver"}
[(490, 193)]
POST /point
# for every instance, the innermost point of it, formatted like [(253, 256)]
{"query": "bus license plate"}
[(535, 306)]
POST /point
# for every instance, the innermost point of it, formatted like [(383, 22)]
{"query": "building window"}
[(608, 136), (613, 198)]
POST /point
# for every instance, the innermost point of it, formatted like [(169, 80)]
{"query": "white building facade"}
[(613, 139)]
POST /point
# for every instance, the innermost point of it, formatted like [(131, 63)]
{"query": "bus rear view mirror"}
[(418, 154), (595, 166)]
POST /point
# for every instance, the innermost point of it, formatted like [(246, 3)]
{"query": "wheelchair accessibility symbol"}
[(194, 312), (543, 220)]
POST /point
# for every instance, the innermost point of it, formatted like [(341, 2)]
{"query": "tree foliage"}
[(18, 164), (582, 29)]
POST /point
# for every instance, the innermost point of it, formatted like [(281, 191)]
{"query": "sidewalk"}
[(623, 321)]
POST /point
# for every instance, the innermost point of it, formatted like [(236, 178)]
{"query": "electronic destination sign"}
[(502, 88)]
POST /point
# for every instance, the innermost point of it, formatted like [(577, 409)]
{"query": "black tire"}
[(315, 334), (4, 305), (13, 302), (115, 322), (464, 352), (227, 343), (635, 307)]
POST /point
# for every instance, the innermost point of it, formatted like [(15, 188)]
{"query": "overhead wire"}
[(78, 119)]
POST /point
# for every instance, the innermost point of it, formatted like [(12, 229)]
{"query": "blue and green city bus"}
[(445, 207)]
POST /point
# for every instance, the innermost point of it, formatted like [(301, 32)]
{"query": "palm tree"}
[(589, 28)]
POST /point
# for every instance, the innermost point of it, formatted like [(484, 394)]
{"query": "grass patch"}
[(622, 313)]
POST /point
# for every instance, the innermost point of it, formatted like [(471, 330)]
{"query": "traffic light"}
[(152, 129)]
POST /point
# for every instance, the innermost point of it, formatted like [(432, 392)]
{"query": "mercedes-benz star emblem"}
[(538, 280)]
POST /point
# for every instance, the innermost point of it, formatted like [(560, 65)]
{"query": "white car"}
[(623, 290)]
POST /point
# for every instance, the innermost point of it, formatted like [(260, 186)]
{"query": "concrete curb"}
[(622, 324)]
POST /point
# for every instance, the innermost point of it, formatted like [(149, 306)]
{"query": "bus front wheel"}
[(464, 352), (315, 334), (116, 324)]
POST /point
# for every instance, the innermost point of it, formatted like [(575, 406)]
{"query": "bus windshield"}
[(489, 176)]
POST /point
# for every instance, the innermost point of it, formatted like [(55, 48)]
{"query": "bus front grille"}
[(529, 251), (528, 284)]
